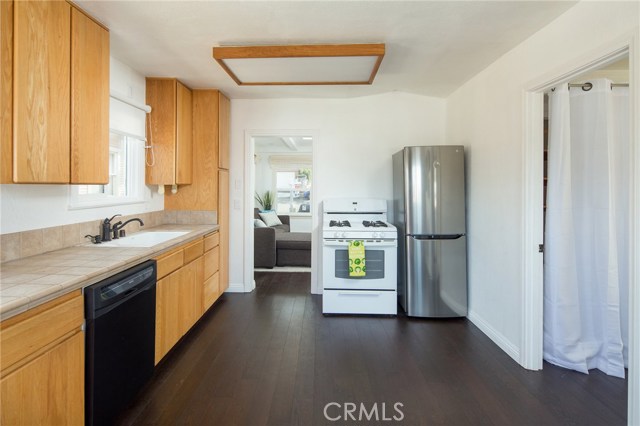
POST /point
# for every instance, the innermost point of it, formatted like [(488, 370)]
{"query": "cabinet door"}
[(168, 323), (223, 221), (6, 92), (178, 305), (89, 100), (211, 290), (202, 193), (48, 390), (41, 91), (184, 136), (211, 262), (161, 96), (223, 129), (190, 299)]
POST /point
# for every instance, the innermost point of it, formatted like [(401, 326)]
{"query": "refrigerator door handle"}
[(437, 237)]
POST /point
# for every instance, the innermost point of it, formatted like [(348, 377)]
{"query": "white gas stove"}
[(365, 220), (358, 228)]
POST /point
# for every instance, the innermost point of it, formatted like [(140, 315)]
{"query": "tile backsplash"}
[(30, 243)]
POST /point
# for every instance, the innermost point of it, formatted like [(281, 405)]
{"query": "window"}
[(126, 176), (293, 190)]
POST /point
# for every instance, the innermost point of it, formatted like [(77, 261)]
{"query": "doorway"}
[(281, 206), (284, 178), (532, 318), (587, 221)]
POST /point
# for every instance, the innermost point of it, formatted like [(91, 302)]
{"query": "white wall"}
[(486, 115), (353, 143), (26, 207)]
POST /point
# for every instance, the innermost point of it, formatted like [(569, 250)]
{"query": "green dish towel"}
[(356, 259)]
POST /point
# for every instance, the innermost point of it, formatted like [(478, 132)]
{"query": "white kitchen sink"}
[(144, 239)]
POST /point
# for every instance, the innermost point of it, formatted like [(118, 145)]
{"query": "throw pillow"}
[(270, 218), (257, 223)]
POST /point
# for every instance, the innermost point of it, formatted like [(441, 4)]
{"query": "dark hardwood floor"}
[(272, 358)]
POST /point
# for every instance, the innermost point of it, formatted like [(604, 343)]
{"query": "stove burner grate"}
[(340, 223), (374, 224)]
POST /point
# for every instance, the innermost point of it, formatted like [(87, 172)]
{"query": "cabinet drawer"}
[(28, 334), (211, 262), (193, 251), (170, 262), (211, 241), (211, 290)]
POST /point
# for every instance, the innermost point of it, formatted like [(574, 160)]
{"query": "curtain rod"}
[(588, 86), (145, 108)]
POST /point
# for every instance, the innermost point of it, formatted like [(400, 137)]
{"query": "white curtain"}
[(587, 229)]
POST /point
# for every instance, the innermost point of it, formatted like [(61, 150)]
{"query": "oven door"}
[(382, 265)]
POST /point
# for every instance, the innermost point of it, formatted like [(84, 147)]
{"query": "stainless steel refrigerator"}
[(429, 212)]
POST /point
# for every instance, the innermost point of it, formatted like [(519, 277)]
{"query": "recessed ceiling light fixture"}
[(310, 64)]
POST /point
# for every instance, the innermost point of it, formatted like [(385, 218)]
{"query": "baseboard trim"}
[(497, 337), (235, 288)]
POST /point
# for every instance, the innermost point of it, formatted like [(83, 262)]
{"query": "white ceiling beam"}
[(290, 143)]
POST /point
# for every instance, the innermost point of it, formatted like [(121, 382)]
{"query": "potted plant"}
[(266, 201)]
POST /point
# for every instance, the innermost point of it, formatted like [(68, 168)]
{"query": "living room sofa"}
[(276, 245)]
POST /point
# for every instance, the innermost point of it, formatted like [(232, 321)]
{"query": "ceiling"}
[(287, 144), (432, 47)]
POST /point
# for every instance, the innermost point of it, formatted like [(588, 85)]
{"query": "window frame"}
[(139, 193), (293, 168)]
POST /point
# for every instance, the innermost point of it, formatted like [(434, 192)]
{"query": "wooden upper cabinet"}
[(41, 95), (6, 90), (184, 135), (89, 100), (202, 194), (223, 129), (170, 133), (55, 94), (161, 96)]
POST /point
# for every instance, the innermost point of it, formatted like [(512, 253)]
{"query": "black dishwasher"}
[(120, 341)]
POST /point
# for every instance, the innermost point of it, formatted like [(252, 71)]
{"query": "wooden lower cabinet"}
[(211, 288), (184, 291), (211, 261), (178, 305), (42, 375), (167, 313), (191, 297), (223, 220), (49, 390), (211, 291)]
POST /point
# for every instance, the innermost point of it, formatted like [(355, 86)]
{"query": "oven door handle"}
[(367, 244), (360, 293)]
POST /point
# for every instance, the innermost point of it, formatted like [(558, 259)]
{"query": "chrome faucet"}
[(117, 227), (106, 228)]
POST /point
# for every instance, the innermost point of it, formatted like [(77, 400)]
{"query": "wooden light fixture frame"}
[(299, 51)]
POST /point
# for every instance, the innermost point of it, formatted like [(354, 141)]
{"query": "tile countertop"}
[(31, 281)]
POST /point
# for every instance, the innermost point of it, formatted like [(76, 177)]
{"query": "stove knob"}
[(337, 235)]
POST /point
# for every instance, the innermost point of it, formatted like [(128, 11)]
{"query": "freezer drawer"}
[(381, 302), (436, 277)]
